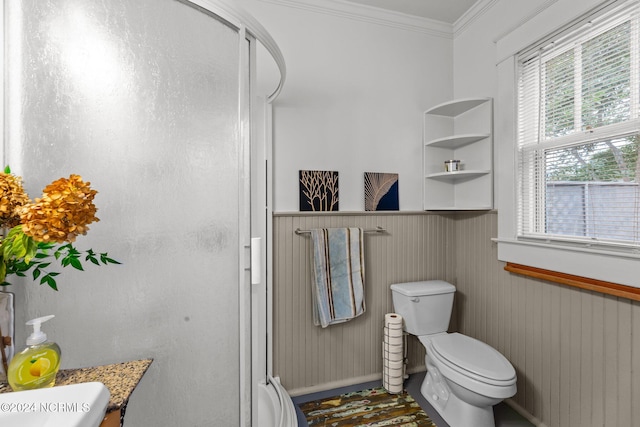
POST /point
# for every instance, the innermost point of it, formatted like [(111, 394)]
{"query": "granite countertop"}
[(120, 378)]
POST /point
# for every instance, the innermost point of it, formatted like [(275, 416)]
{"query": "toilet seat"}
[(471, 358)]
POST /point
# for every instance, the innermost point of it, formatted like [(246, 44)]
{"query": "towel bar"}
[(378, 229)]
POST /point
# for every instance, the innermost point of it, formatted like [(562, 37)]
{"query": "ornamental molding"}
[(478, 9), (532, 13), (372, 15)]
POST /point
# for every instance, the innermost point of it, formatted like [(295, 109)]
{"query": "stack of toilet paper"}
[(392, 353)]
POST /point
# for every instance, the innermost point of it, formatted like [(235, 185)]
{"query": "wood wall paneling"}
[(576, 351), (307, 357)]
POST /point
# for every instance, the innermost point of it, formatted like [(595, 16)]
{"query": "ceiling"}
[(440, 10)]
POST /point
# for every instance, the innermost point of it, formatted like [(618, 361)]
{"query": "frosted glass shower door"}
[(141, 98)]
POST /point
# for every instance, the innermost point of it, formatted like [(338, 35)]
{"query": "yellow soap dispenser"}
[(37, 365)]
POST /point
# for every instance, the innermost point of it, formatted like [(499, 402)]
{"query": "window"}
[(578, 136)]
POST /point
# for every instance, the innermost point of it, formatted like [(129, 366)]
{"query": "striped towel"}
[(338, 278)]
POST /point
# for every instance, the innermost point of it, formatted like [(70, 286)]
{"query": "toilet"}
[(465, 377)]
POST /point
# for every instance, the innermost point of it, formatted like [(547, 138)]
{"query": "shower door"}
[(147, 100)]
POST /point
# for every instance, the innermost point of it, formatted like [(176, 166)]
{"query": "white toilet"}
[(465, 377)]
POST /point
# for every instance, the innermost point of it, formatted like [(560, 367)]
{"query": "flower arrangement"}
[(45, 227)]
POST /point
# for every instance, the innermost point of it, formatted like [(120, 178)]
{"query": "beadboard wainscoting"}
[(307, 358), (576, 352)]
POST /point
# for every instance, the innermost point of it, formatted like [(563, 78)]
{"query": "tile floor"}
[(504, 415)]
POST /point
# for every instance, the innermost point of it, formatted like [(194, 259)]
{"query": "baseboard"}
[(334, 384), (419, 368), (520, 410), (346, 382)]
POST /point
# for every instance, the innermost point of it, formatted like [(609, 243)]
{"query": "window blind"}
[(579, 134)]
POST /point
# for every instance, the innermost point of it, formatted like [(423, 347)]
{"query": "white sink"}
[(78, 405)]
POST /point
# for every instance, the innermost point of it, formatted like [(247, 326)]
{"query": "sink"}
[(77, 405)]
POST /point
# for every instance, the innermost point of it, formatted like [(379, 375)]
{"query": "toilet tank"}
[(425, 306)]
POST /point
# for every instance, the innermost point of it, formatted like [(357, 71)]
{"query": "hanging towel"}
[(338, 277)]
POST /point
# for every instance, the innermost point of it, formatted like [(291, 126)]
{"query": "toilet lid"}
[(469, 354)]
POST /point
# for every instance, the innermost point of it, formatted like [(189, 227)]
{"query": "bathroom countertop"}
[(120, 378)]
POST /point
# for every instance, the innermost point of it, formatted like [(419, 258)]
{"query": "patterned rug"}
[(373, 407)]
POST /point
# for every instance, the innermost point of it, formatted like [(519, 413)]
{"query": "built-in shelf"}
[(455, 108), (459, 130), (456, 141), (458, 208), (453, 176)]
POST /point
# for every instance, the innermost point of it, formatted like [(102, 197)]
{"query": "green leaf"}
[(106, 260), (13, 245), (6, 248), (75, 263), (30, 247), (7, 170), (93, 259), (91, 256), (45, 246), (49, 280), (70, 249)]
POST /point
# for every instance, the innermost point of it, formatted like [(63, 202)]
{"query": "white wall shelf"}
[(466, 208), (459, 175), (460, 130), (455, 108), (456, 141)]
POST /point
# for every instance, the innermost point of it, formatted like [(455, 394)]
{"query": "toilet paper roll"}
[(394, 369), (392, 331), (393, 347), (392, 352), (393, 385), (394, 380), (393, 319), (392, 356), (392, 337)]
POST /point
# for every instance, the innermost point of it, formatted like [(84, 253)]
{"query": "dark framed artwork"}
[(381, 191), (318, 190)]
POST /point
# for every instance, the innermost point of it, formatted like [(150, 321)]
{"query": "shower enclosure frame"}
[(270, 405)]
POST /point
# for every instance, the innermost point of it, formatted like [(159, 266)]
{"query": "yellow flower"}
[(12, 199), (62, 213)]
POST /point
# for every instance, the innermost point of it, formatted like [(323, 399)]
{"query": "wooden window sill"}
[(607, 288)]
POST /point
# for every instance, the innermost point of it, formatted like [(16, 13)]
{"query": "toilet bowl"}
[(465, 377)]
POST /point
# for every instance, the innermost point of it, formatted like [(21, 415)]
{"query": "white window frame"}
[(599, 263)]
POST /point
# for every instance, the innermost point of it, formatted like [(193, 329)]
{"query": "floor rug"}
[(373, 407)]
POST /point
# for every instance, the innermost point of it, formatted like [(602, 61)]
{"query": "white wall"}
[(503, 29), (353, 99), (505, 22)]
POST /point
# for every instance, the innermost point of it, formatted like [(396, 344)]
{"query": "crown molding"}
[(474, 12), (532, 13), (370, 14)]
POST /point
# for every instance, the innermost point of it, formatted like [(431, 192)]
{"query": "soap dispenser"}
[(37, 365)]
